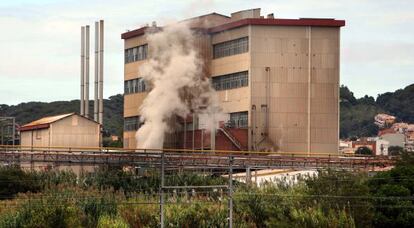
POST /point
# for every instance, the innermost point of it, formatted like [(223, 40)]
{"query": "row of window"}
[(136, 53), (232, 47), (132, 123), (137, 85), (227, 48), (231, 81), (239, 120)]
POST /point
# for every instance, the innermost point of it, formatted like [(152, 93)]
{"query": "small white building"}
[(394, 139), (66, 130), (381, 147)]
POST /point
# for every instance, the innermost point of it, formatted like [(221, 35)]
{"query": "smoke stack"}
[(271, 16), (82, 106), (101, 60), (86, 87), (96, 103)]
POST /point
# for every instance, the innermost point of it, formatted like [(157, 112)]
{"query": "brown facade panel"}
[(324, 105), (135, 41), (131, 70), (229, 35), (230, 64), (234, 100), (325, 76), (132, 102), (323, 135), (331, 148)]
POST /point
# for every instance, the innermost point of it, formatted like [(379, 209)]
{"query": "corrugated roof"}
[(44, 122)]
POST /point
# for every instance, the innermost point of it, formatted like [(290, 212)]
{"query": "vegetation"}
[(112, 197), (363, 150), (27, 112), (357, 115)]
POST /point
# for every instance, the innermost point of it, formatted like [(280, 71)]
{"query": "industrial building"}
[(66, 130), (277, 81)]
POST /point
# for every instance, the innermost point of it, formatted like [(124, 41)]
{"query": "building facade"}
[(66, 130), (277, 79)]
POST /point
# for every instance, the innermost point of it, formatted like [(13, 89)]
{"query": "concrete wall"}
[(35, 138), (74, 131), (303, 79)]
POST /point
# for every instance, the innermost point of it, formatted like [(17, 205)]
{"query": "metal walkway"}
[(186, 158)]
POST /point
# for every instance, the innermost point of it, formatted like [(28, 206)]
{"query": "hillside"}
[(356, 118), (357, 115), (27, 112)]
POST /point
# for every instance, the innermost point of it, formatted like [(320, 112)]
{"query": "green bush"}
[(13, 180), (106, 221)]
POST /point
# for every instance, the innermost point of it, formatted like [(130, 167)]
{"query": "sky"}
[(40, 40)]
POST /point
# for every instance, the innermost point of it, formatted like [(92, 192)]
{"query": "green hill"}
[(356, 118), (27, 112), (357, 115)]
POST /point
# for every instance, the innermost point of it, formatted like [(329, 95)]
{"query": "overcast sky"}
[(40, 40)]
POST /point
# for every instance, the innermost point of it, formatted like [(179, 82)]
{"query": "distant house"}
[(382, 120), (68, 130), (378, 146), (395, 139)]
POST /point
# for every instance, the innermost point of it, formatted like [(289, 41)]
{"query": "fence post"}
[(162, 192), (231, 191)]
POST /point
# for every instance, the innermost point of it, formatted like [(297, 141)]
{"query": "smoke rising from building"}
[(179, 87)]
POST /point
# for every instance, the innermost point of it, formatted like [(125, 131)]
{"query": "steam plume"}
[(175, 74)]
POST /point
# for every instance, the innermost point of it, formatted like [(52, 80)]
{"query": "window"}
[(231, 81), (238, 120), (136, 53), (232, 47), (137, 85), (132, 123)]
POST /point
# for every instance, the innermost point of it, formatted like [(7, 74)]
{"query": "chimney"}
[(86, 87), (82, 76), (101, 61), (271, 16), (96, 87)]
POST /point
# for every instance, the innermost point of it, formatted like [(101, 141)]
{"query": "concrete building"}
[(395, 139), (67, 130), (277, 79)]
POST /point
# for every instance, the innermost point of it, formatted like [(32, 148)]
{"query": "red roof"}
[(385, 131), (320, 22), (279, 22), (43, 122)]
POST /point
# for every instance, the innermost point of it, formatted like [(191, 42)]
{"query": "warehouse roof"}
[(46, 121)]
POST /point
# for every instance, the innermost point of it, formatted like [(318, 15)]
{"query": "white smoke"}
[(175, 74)]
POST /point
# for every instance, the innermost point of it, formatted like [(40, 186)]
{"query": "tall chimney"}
[(101, 60), (82, 106), (87, 51), (96, 103)]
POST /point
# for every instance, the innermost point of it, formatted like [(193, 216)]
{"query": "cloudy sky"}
[(40, 40)]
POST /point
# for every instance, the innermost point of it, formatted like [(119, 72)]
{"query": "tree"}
[(363, 150), (395, 150), (344, 191), (394, 190)]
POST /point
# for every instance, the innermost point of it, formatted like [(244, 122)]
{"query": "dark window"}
[(132, 123), (239, 120), (232, 47), (136, 53), (136, 85), (231, 81)]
